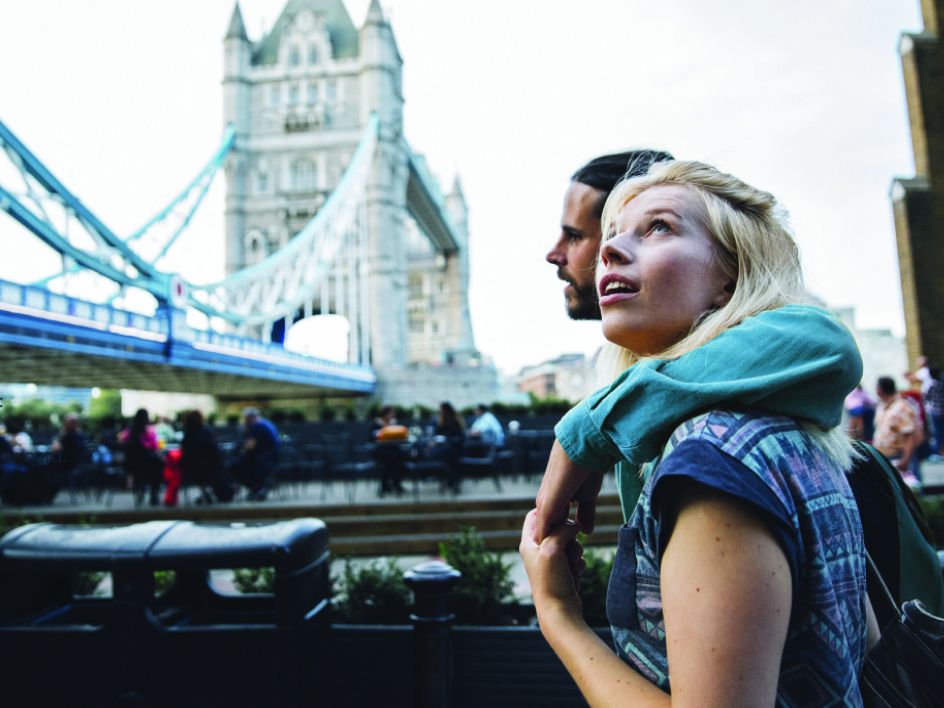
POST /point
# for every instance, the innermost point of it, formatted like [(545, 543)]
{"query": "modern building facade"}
[(919, 201)]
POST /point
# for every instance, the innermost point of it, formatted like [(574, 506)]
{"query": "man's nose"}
[(557, 255)]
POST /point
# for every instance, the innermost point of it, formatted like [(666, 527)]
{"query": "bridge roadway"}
[(48, 338)]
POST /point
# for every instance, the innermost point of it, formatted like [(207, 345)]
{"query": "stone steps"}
[(428, 543), (378, 529)]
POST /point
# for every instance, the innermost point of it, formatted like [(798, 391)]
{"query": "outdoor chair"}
[(349, 464), (419, 469), (480, 460)]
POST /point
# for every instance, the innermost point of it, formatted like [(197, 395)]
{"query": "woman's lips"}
[(612, 298), (626, 291)]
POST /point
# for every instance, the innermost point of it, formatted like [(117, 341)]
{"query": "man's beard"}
[(584, 304)]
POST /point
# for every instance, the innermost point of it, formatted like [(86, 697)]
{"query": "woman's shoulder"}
[(735, 428), (775, 448)]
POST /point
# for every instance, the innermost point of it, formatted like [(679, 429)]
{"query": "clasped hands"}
[(553, 558)]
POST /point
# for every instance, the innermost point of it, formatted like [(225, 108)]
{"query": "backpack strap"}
[(919, 567), (885, 594), (907, 495)]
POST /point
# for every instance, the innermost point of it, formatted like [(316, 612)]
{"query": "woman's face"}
[(658, 273)]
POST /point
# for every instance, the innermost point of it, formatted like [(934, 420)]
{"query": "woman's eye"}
[(658, 226)]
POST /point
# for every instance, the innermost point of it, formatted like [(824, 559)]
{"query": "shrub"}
[(254, 580), (85, 583), (372, 593), (593, 584), (482, 595), (163, 581)]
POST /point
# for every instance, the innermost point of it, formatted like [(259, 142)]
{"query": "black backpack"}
[(897, 537)]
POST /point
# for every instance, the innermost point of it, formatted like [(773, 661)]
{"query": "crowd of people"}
[(443, 444), (156, 458), (907, 426), (153, 455)]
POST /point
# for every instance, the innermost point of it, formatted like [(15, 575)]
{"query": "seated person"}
[(486, 427), (388, 454), (255, 469), (447, 445)]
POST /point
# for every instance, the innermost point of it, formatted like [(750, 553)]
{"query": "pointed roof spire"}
[(237, 28), (457, 188), (374, 13)]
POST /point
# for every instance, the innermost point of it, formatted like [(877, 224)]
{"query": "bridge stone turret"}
[(380, 80), (300, 100), (237, 55)]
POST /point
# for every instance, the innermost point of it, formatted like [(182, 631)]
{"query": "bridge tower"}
[(299, 99)]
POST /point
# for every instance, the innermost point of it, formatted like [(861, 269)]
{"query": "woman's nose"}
[(615, 250)]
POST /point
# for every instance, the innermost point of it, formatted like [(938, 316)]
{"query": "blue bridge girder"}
[(55, 339), (52, 339)]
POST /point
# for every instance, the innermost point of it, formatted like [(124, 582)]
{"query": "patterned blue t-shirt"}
[(771, 463)]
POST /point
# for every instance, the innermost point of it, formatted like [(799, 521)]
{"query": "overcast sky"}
[(122, 100)]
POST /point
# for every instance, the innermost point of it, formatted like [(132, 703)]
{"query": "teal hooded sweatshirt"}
[(799, 361)]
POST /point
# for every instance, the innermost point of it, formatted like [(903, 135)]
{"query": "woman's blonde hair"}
[(753, 247)]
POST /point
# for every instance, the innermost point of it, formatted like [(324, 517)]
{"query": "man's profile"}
[(575, 252)]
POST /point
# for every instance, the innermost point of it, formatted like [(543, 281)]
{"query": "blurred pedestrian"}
[(860, 407), (934, 403), (897, 427), (142, 459), (202, 463)]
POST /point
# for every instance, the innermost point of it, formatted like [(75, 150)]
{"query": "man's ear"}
[(724, 297)]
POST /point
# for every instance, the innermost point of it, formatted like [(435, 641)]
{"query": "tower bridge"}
[(328, 211)]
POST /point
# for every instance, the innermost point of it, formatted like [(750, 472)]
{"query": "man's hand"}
[(563, 483)]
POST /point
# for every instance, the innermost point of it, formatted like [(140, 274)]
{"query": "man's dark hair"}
[(605, 172), (886, 386)]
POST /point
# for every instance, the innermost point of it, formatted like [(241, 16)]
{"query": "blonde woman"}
[(741, 571)]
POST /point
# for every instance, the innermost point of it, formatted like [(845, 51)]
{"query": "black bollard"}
[(432, 584)]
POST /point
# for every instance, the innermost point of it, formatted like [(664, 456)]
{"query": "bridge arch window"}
[(303, 176), (417, 322), (312, 93), (312, 54), (415, 286), (294, 56), (275, 94), (262, 176), (256, 247), (331, 90), (293, 95)]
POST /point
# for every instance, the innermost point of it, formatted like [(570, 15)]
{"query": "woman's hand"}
[(563, 483), (553, 566)]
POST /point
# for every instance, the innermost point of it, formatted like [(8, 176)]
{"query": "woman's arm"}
[(726, 592), (726, 598), (602, 677)]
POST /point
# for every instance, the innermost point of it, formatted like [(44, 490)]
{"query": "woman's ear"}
[(724, 297)]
